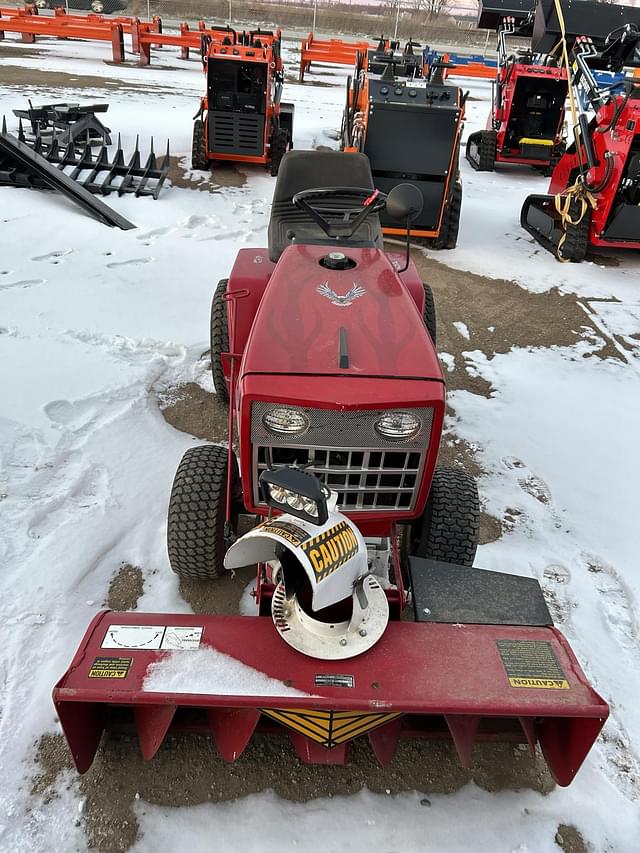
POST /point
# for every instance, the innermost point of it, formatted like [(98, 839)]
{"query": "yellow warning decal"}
[(288, 531), (331, 549), (329, 728), (533, 664), (103, 667), (541, 683), (526, 141)]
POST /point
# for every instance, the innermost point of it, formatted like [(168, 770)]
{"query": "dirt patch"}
[(570, 840), (40, 78), (188, 771), (193, 410), (125, 588), (223, 175)]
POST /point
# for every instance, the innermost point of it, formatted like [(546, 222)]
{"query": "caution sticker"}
[(331, 549), (110, 667), (533, 664), (330, 728), (144, 637), (289, 532)]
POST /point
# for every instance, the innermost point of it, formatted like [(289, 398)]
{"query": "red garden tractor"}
[(526, 122), (594, 193), (324, 347), (241, 117)]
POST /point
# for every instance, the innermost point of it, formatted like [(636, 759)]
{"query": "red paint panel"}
[(384, 741), (152, 723), (232, 729), (463, 732)]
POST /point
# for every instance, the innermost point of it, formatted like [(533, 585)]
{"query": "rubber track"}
[(448, 236), (280, 141), (198, 158), (219, 339), (195, 529)]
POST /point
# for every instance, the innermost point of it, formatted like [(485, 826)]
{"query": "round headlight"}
[(398, 426), (283, 421)]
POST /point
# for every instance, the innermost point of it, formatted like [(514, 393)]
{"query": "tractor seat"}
[(303, 170)]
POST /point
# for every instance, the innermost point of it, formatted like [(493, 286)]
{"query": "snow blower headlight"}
[(398, 426), (295, 492), (285, 421)]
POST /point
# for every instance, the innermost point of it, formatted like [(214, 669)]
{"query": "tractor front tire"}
[(219, 339), (279, 146), (199, 148), (197, 510), (429, 312), (449, 528), (448, 236)]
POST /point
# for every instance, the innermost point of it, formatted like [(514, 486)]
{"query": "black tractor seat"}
[(302, 170)]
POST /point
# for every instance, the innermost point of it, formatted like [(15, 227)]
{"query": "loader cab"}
[(536, 112)]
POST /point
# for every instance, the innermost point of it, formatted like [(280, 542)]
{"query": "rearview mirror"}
[(404, 202)]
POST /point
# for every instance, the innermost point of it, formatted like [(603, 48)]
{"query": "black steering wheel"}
[(371, 201)]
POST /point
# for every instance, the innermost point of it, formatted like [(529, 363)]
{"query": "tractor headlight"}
[(398, 426), (285, 421), (294, 491)]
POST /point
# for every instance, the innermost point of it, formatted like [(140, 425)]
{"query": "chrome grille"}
[(368, 472)]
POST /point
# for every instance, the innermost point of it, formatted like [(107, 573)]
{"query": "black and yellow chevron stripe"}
[(330, 728)]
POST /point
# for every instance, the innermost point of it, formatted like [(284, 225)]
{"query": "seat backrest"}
[(303, 170)]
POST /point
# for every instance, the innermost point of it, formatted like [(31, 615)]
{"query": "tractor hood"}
[(359, 321)]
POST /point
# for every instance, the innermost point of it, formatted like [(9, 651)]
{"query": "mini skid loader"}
[(594, 193), (241, 117), (324, 346), (409, 128), (526, 122)]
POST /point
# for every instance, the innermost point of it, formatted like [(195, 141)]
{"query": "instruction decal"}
[(286, 530), (533, 664), (331, 549), (145, 637), (110, 667)]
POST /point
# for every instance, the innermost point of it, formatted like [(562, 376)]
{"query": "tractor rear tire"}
[(429, 312), (199, 148), (449, 529), (219, 339), (279, 146), (487, 151), (448, 236), (197, 509)]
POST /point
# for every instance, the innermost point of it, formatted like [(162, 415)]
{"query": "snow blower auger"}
[(410, 130), (337, 397), (594, 193), (241, 117), (526, 122)]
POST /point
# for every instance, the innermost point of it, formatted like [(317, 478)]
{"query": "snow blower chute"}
[(594, 193), (526, 122), (324, 347)]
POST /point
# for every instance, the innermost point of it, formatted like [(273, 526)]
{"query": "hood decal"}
[(341, 301)]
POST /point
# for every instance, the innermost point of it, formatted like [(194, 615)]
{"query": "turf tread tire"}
[(196, 518), (449, 529), (198, 149), (219, 339), (429, 312)]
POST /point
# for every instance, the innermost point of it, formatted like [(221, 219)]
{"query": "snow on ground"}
[(94, 322)]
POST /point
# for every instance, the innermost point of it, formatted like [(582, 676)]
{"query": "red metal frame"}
[(499, 118)]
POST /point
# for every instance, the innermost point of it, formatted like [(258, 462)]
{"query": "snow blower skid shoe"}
[(325, 347)]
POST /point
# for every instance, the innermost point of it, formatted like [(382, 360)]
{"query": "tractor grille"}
[(368, 472), (236, 133)]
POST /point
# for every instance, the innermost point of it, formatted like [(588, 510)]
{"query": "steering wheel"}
[(371, 201)]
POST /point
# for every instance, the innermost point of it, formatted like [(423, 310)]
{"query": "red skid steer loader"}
[(526, 122), (324, 346)]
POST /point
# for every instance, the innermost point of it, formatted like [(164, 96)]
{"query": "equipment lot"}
[(103, 333)]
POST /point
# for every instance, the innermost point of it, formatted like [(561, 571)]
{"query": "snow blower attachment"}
[(594, 193), (325, 350), (241, 117), (526, 122), (410, 130)]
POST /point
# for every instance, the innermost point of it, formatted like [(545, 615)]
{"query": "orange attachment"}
[(331, 52)]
